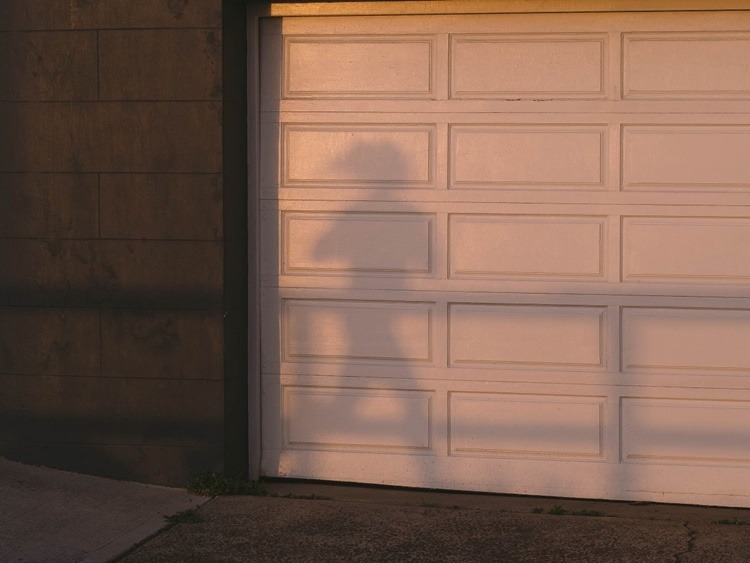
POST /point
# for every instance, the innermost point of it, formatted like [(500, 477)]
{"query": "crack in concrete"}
[(691, 534)]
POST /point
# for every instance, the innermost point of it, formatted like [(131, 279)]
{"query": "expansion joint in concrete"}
[(691, 534)]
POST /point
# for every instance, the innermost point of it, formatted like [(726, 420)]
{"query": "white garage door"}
[(509, 253)]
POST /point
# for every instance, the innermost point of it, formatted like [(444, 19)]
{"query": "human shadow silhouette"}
[(368, 336)]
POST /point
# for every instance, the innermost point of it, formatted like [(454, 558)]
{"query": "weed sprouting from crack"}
[(210, 484), (690, 542)]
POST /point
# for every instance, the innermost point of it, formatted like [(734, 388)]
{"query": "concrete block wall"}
[(123, 237)]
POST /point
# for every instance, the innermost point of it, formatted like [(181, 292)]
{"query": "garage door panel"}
[(683, 431), (686, 65), (341, 154), (528, 246), (526, 336), (528, 66), (357, 419), (354, 331), (356, 244), (511, 425), (686, 340), (341, 66), (527, 156), (686, 249), (684, 157)]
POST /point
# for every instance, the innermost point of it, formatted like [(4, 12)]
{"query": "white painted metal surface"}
[(509, 253)]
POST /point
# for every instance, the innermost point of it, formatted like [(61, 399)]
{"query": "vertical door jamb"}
[(254, 13)]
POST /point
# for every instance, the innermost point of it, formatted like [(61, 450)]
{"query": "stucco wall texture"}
[(122, 206)]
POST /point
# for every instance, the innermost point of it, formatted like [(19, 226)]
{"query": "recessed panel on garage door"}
[(384, 156), (526, 156), (501, 425), (526, 336), (349, 243), (686, 157), (686, 340), (528, 66), (336, 330), (364, 419), (685, 431), (527, 246), (687, 65), (348, 66), (686, 249)]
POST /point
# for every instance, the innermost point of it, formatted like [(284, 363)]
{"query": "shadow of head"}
[(372, 164), (359, 239)]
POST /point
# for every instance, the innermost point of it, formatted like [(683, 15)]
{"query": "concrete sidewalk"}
[(53, 515)]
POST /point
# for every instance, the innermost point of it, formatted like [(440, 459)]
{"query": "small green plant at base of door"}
[(587, 512), (730, 522), (210, 484)]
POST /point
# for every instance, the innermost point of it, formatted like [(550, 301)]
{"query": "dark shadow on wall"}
[(54, 260), (146, 449)]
